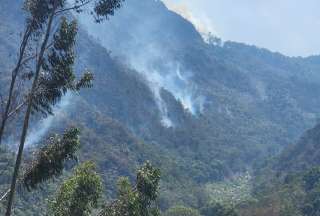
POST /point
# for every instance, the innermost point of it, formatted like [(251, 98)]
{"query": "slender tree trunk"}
[(15, 73), (28, 113)]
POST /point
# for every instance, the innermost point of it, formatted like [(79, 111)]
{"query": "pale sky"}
[(291, 27)]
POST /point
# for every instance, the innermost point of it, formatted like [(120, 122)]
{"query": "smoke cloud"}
[(169, 75), (40, 130), (287, 26), (139, 44), (202, 23)]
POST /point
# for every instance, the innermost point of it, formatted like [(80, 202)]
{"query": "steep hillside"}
[(246, 99), (199, 111), (289, 183), (303, 155)]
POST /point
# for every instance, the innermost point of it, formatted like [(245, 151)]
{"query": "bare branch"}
[(24, 61), (17, 109), (4, 195), (75, 7)]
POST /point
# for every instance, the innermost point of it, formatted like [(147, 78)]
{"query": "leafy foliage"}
[(311, 206), (247, 119), (312, 178), (138, 200), (78, 194), (218, 209), (85, 81), (181, 211), (38, 11), (58, 74), (105, 8), (233, 191), (51, 158)]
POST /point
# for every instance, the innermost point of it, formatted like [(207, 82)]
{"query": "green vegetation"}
[(232, 192), (181, 211), (79, 194), (51, 158), (218, 209), (212, 209), (138, 200), (255, 103), (53, 74)]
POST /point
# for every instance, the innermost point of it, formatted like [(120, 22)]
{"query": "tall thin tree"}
[(38, 14), (34, 22), (53, 75)]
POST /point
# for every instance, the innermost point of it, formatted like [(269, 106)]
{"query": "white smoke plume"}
[(165, 120), (138, 44), (202, 23), (177, 83), (38, 132), (170, 77)]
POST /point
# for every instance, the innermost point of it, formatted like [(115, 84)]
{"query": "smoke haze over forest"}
[(291, 27)]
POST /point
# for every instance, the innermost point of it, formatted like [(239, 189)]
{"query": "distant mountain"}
[(303, 155), (242, 98), (199, 111), (288, 184)]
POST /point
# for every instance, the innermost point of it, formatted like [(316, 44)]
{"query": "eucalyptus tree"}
[(50, 159), (138, 200), (38, 15), (79, 194), (34, 23), (53, 74)]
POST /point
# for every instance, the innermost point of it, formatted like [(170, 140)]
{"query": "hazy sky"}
[(291, 27)]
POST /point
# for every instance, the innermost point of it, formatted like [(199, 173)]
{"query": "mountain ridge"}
[(229, 105)]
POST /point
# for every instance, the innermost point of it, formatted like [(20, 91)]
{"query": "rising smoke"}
[(202, 23), (40, 130), (138, 42)]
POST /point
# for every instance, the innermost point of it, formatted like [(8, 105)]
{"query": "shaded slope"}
[(255, 101)]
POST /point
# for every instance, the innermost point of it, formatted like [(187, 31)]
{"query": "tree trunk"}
[(28, 113), (15, 73)]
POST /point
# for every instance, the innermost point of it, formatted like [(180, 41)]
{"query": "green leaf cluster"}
[(50, 159), (79, 194), (138, 200)]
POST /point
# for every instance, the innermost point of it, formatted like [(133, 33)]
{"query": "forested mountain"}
[(201, 112)]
